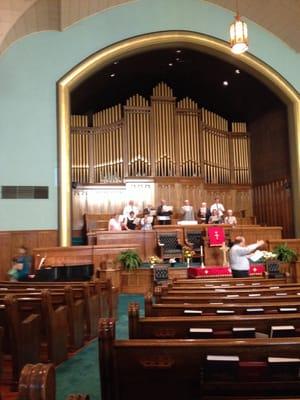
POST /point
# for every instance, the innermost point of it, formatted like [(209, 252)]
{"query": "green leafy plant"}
[(130, 259), (285, 254)]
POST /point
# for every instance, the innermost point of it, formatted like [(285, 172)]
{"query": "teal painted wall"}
[(30, 68)]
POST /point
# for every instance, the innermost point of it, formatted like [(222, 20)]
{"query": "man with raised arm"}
[(238, 256)]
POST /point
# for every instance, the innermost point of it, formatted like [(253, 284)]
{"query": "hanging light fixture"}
[(238, 34)]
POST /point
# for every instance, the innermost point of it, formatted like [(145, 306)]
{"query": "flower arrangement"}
[(268, 255), (155, 260), (187, 253)]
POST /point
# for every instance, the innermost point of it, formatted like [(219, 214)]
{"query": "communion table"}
[(220, 271)]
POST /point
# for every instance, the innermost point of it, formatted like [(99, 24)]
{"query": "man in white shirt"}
[(217, 206), (238, 256), (130, 208)]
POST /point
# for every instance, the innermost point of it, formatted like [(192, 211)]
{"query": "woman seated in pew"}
[(215, 217), (238, 256), (21, 266), (230, 218)]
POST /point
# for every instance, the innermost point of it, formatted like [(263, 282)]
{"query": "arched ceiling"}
[(22, 17)]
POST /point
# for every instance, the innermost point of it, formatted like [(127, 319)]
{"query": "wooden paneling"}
[(106, 254), (270, 147), (272, 203), (291, 243), (173, 190), (10, 241), (254, 233), (146, 240), (60, 256)]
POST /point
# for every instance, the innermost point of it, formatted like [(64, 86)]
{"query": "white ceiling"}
[(21, 17)]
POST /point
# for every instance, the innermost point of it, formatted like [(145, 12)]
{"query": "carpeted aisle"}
[(80, 374)]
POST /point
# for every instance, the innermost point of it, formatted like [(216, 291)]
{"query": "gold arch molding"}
[(158, 40)]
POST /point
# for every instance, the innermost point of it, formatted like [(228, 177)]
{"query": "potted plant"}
[(285, 254), (130, 260)]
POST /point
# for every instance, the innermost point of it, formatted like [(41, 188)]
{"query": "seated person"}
[(146, 221), (131, 221), (116, 223), (230, 218), (204, 213), (164, 213), (215, 218), (21, 266), (217, 206)]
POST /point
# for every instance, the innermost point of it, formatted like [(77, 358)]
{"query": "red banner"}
[(216, 235)]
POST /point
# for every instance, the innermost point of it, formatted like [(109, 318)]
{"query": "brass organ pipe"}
[(127, 118), (168, 164), (163, 138), (149, 141), (179, 143), (170, 141), (190, 146), (167, 115), (212, 146), (146, 143), (129, 143), (215, 148), (192, 140), (242, 158), (81, 156), (160, 132), (136, 147), (139, 147), (185, 157), (110, 144)]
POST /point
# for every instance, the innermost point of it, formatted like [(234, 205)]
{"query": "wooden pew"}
[(81, 305), (181, 309), (37, 382), (53, 325), (93, 292), (21, 336), (271, 290), (224, 299), (191, 286), (176, 369), (230, 281), (211, 326), (74, 309)]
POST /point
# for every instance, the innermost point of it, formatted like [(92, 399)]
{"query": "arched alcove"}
[(161, 40)]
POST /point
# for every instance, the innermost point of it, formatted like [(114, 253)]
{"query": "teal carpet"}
[(80, 374)]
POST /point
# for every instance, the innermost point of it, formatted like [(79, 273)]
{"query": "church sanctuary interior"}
[(149, 202)]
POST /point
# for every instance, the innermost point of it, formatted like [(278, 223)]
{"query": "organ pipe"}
[(160, 136)]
